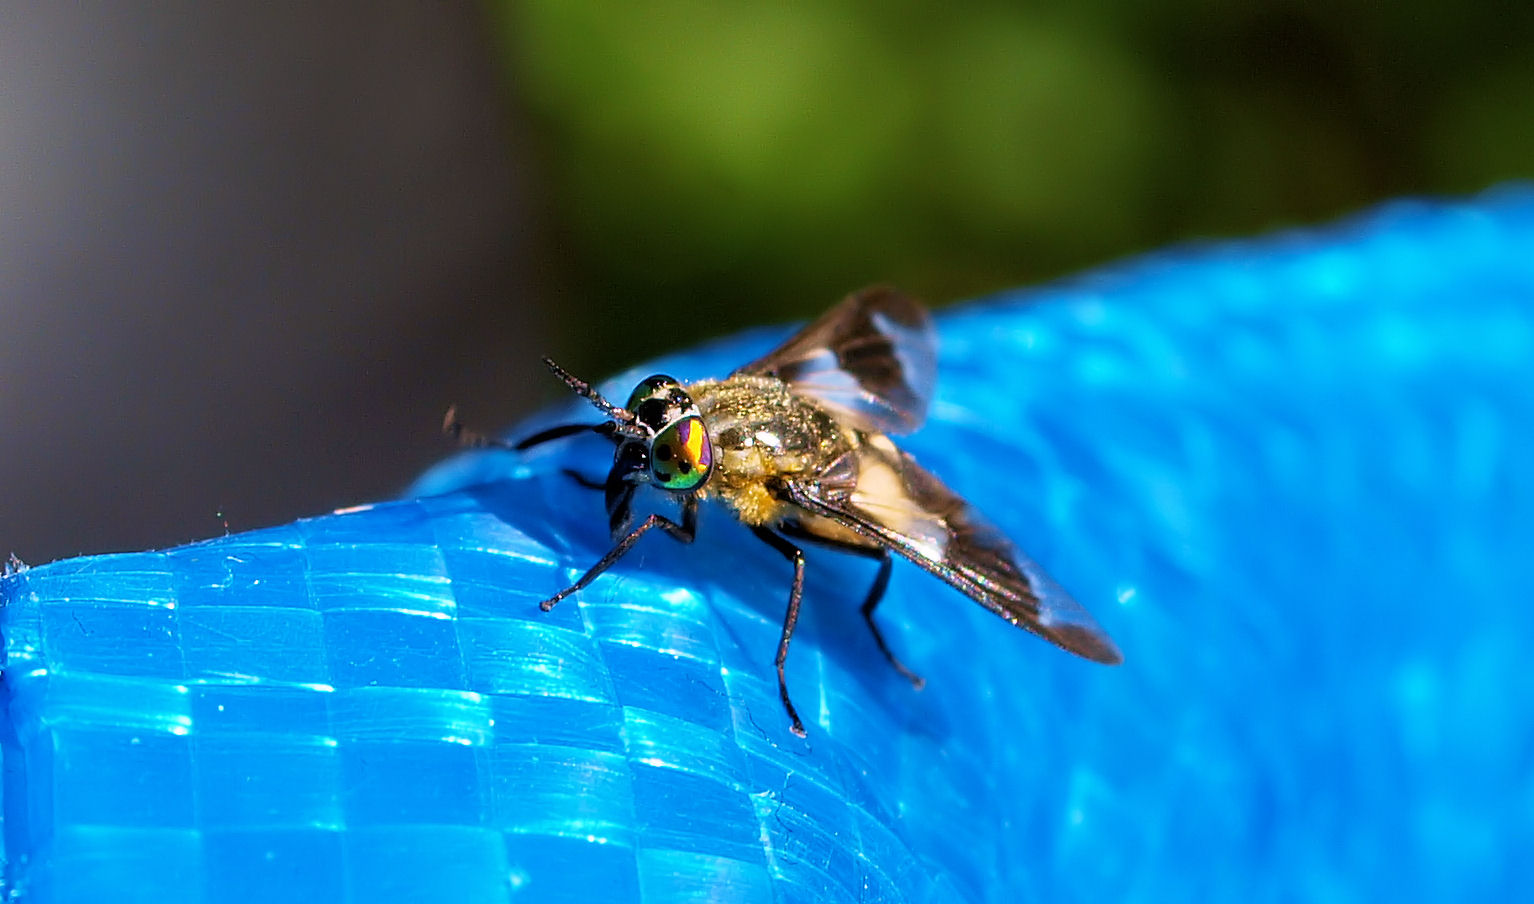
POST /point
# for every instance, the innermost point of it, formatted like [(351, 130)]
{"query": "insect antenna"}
[(623, 416)]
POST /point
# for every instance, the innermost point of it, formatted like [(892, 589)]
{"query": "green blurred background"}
[(707, 165), (250, 252)]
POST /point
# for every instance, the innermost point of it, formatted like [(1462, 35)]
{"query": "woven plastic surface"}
[(1294, 478)]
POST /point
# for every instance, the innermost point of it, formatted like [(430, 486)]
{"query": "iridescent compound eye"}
[(681, 456)]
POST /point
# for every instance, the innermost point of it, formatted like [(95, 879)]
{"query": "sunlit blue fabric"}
[(1294, 478)]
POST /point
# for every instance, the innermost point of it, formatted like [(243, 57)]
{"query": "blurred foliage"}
[(702, 166)]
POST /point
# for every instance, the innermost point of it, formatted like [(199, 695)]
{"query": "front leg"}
[(620, 515), (583, 480), (687, 531), (470, 439), (616, 553), (606, 428)]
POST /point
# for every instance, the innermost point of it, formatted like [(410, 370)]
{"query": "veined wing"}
[(871, 359), (882, 494)]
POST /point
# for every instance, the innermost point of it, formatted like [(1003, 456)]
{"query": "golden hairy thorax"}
[(761, 430)]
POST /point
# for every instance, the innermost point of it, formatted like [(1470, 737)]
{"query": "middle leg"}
[(790, 618)]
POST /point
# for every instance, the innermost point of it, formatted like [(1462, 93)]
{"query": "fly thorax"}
[(760, 429)]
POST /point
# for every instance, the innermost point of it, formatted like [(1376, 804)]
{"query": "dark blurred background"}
[(248, 253)]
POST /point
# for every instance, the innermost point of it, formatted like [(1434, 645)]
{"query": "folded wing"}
[(871, 359), (896, 502)]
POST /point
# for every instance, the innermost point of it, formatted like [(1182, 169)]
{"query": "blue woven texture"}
[(1294, 478)]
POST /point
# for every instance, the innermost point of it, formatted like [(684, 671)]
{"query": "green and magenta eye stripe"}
[(681, 456)]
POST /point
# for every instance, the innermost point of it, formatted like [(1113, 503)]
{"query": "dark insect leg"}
[(875, 594), (583, 480), (470, 439), (620, 499), (791, 618), (631, 459), (687, 531), (560, 432), (613, 555)]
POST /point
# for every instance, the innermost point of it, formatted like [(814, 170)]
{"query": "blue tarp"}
[(1293, 477)]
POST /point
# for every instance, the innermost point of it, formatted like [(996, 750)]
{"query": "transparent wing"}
[(872, 359), (881, 493)]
